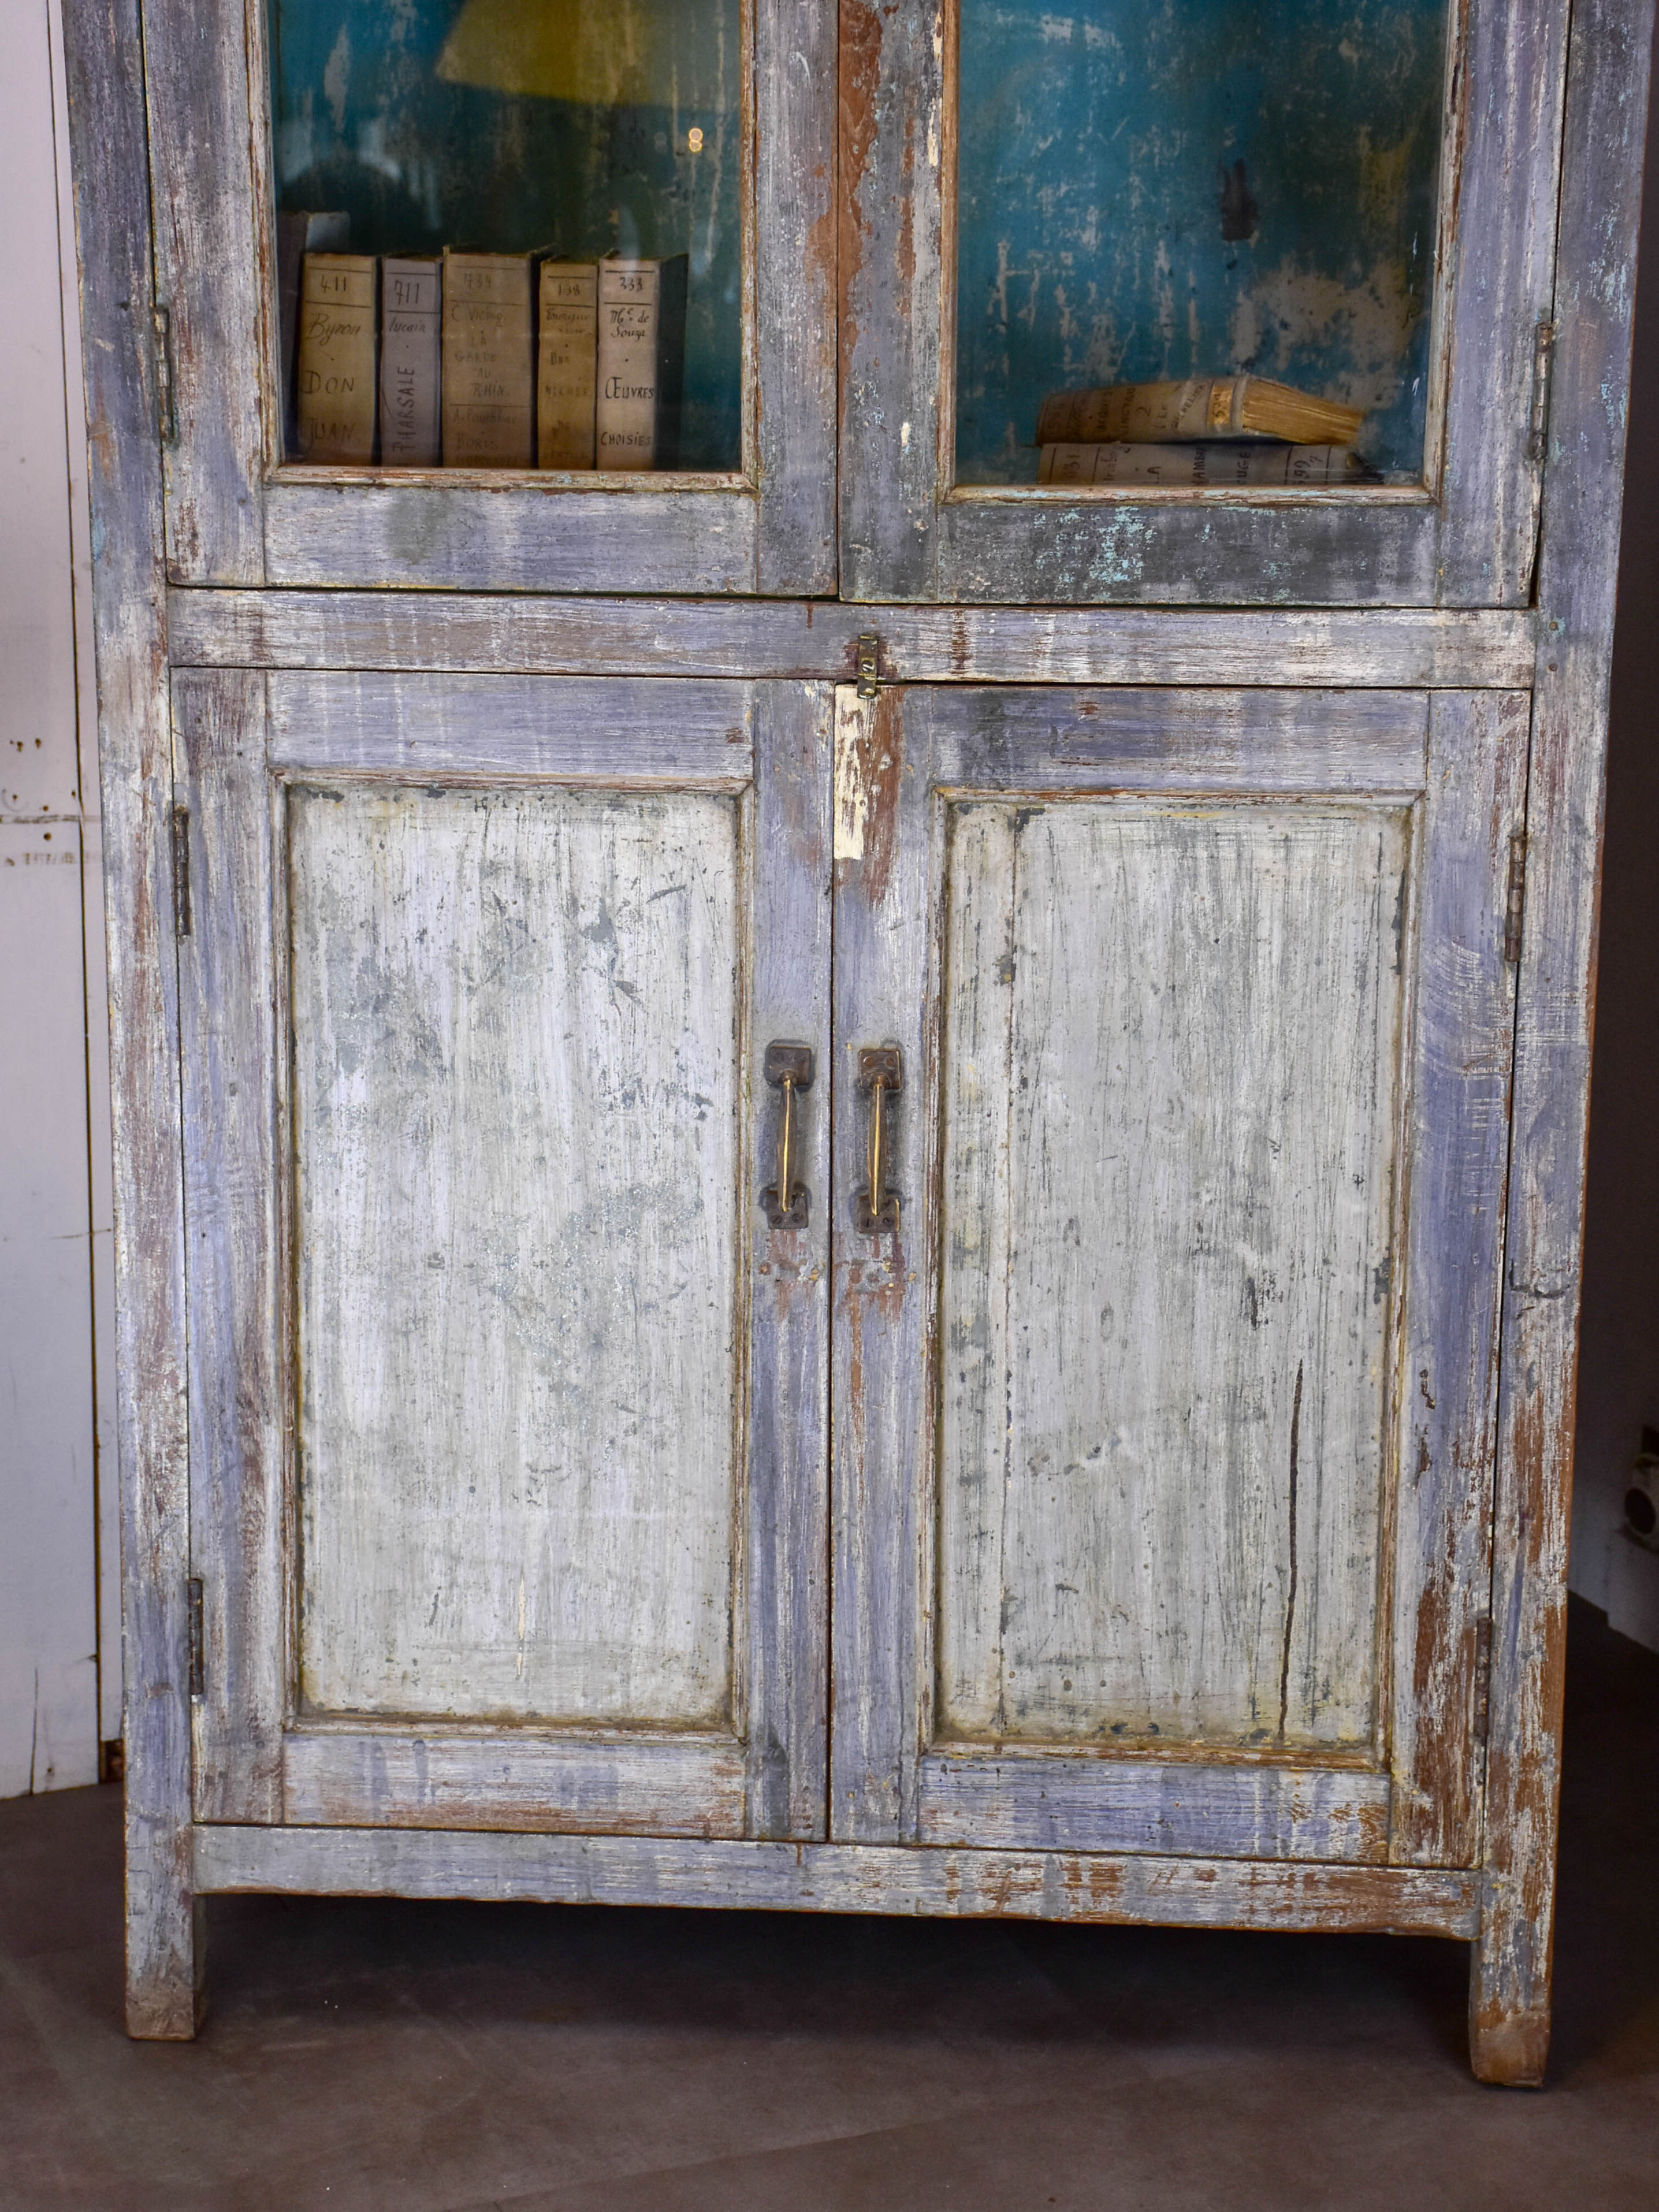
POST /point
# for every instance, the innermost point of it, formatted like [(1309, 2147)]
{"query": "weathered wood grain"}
[(511, 536), (1118, 547), (1099, 1803), (230, 1075), (627, 1784), (884, 994), (891, 270), (1467, 541), (836, 1878), (792, 247), (1394, 648), (1456, 1160), (210, 279), (1171, 1070), (164, 1951), (1606, 118), (1237, 742), (787, 1562), (1431, 938), (520, 1015), (1497, 257), (595, 729), (516, 1126)]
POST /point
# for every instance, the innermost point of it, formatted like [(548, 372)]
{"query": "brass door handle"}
[(788, 1068), (876, 1208)]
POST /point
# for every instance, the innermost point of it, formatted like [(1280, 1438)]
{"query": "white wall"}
[(59, 1662)]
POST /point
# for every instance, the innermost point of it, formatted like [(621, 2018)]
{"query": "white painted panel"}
[(516, 1097), (1170, 1071), (48, 1626), (38, 774)]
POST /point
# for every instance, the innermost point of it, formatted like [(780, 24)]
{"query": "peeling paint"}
[(1093, 246)]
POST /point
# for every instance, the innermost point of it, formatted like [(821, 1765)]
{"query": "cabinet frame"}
[(1467, 538), (237, 514), (1503, 1907)]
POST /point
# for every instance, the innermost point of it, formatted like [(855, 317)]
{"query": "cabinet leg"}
[(1509, 1991), (167, 1948)]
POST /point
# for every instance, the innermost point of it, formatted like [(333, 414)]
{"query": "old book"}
[(1192, 463), (566, 363), (411, 347), (335, 374), (1203, 407), (488, 362), (298, 234), (641, 360)]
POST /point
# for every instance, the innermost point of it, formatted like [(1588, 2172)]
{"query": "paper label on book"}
[(410, 342), (488, 362), (566, 368), (626, 412), (335, 374)]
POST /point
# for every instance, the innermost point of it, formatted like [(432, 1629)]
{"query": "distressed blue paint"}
[(1090, 247), (363, 122)]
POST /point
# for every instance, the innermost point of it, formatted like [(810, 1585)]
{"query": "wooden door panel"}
[(584, 1783), (498, 1518), (515, 1064), (1147, 1535), (1228, 1810), (1170, 1078)]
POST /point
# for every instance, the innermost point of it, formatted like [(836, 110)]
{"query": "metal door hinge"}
[(181, 870), (1482, 1676), (1538, 414), (1515, 900), (197, 1649), (869, 665), (167, 418)]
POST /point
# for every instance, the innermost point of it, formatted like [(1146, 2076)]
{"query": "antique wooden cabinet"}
[(849, 1178)]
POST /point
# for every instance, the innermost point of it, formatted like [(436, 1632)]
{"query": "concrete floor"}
[(400, 2058)]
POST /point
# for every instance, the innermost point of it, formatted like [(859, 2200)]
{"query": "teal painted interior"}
[(363, 122), (1098, 178)]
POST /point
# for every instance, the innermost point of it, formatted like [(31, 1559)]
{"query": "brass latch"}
[(869, 666), (787, 1068), (876, 1208)]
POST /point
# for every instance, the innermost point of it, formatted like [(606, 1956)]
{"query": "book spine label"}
[(488, 362), (1197, 464), (626, 411), (567, 370), (335, 378), (410, 336)]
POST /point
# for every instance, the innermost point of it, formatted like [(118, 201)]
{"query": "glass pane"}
[(548, 129), (1190, 189)]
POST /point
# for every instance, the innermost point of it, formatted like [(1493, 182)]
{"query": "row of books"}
[(489, 361), (1205, 430)]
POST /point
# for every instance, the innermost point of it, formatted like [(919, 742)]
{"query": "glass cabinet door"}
[(471, 292), (1190, 302)]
